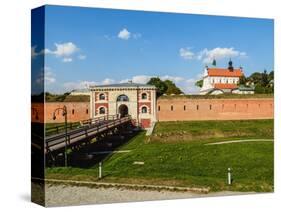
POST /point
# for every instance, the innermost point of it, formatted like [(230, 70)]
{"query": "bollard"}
[(229, 176), (100, 170)]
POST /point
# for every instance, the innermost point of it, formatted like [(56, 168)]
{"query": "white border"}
[(15, 102)]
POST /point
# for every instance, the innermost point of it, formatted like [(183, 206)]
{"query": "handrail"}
[(87, 130)]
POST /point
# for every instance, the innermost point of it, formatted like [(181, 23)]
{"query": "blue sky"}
[(86, 46)]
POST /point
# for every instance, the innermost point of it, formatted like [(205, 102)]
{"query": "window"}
[(159, 108), (197, 107), (102, 96), (172, 108), (122, 98), (144, 109), (210, 107), (102, 110), (143, 96), (184, 107), (72, 111), (87, 111)]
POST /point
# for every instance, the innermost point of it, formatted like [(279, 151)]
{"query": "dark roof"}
[(127, 84)]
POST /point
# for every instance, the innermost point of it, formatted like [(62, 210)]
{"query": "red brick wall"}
[(97, 105), (147, 104), (80, 111), (145, 123), (208, 109), (214, 109), (37, 112), (97, 96), (148, 93)]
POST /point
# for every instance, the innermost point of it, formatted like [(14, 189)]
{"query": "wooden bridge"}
[(89, 129)]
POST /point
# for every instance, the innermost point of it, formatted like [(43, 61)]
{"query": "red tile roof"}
[(225, 86), (223, 72)]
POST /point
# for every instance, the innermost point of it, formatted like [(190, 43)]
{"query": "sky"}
[(90, 46)]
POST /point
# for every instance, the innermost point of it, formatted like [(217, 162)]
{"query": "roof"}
[(224, 72), (225, 86), (122, 85)]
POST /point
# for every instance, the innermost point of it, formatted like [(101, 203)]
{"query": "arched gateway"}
[(123, 110), (126, 99)]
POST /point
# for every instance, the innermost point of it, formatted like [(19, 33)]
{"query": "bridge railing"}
[(86, 131), (98, 119)]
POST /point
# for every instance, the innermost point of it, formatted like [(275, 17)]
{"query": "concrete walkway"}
[(239, 141)]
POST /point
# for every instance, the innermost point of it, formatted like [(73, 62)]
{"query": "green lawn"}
[(188, 161)]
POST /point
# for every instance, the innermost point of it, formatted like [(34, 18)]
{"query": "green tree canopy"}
[(199, 83), (167, 86), (172, 88)]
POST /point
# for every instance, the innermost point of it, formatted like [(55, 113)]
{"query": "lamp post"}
[(64, 113)]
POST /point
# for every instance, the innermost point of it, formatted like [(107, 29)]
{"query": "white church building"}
[(223, 80)]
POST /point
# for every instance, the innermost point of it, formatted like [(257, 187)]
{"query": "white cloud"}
[(33, 52), (67, 60), (63, 50), (207, 56), (107, 81), (47, 75), (69, 86), (172, 78), (124, 34), (186, 53), (187, 85)]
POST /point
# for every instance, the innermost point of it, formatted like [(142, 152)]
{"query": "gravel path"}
[(60, 195), (238, 141)]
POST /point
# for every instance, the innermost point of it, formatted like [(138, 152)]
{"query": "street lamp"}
[(64, 113)]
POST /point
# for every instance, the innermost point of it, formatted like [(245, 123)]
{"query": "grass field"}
[(176, 154)]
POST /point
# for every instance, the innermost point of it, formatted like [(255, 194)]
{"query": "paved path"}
[(238, 141), (60, 195)]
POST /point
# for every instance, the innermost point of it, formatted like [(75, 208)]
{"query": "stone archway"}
[(123, 110)]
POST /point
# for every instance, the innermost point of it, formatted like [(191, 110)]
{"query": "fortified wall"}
[(76, 111), (185, 109), (171, 109)]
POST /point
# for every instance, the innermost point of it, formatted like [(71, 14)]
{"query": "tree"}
[(259, 88), (214, 63), (271, 75), (159, 84), (264, 79), (199, 83), (242, 80), (255, 77), (172, 88), (167, 86)]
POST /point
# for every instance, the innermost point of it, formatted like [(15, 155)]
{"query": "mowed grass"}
[(190, 162)]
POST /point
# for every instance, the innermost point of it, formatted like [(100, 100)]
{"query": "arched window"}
[(122, 98), (144, 109), (101, 96), (143, 96), (101, 110)]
